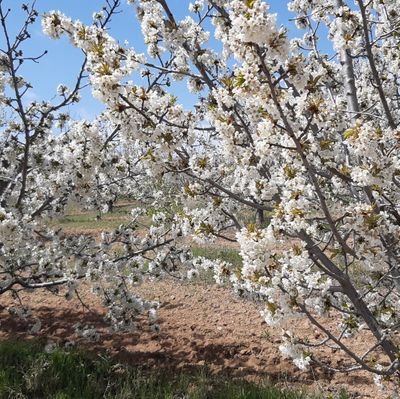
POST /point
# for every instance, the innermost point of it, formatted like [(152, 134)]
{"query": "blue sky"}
[(63, 61)]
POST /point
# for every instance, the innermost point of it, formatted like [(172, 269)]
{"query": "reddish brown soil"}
[(200, 326)]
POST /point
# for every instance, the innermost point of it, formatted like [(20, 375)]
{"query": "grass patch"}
[(26, 371), (246, 217), (227, 254), (89, 222), (76, 218)]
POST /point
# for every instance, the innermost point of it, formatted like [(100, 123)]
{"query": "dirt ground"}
[(201, 326)]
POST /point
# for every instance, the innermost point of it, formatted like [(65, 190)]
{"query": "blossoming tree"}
[(48, 160), (280, 127)]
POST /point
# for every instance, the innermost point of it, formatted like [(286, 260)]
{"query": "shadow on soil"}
[(161, 352)]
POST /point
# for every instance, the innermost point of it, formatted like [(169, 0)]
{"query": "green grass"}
[(76, 218), (227, 254), (89, 222), (26, 371), (246, 217), (206, 277)]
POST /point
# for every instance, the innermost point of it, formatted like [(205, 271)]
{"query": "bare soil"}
[(201, 326)]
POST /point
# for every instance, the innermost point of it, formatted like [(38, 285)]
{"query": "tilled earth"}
[(201, 326)]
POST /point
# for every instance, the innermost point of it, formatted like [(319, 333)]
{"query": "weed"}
[(27, 371)]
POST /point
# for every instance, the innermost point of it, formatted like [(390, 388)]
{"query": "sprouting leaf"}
[(239, 80), (250, 3), (290, 172), (351, 133)]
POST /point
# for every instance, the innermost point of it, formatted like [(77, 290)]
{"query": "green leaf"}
[(250, 3), (239, 80)]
